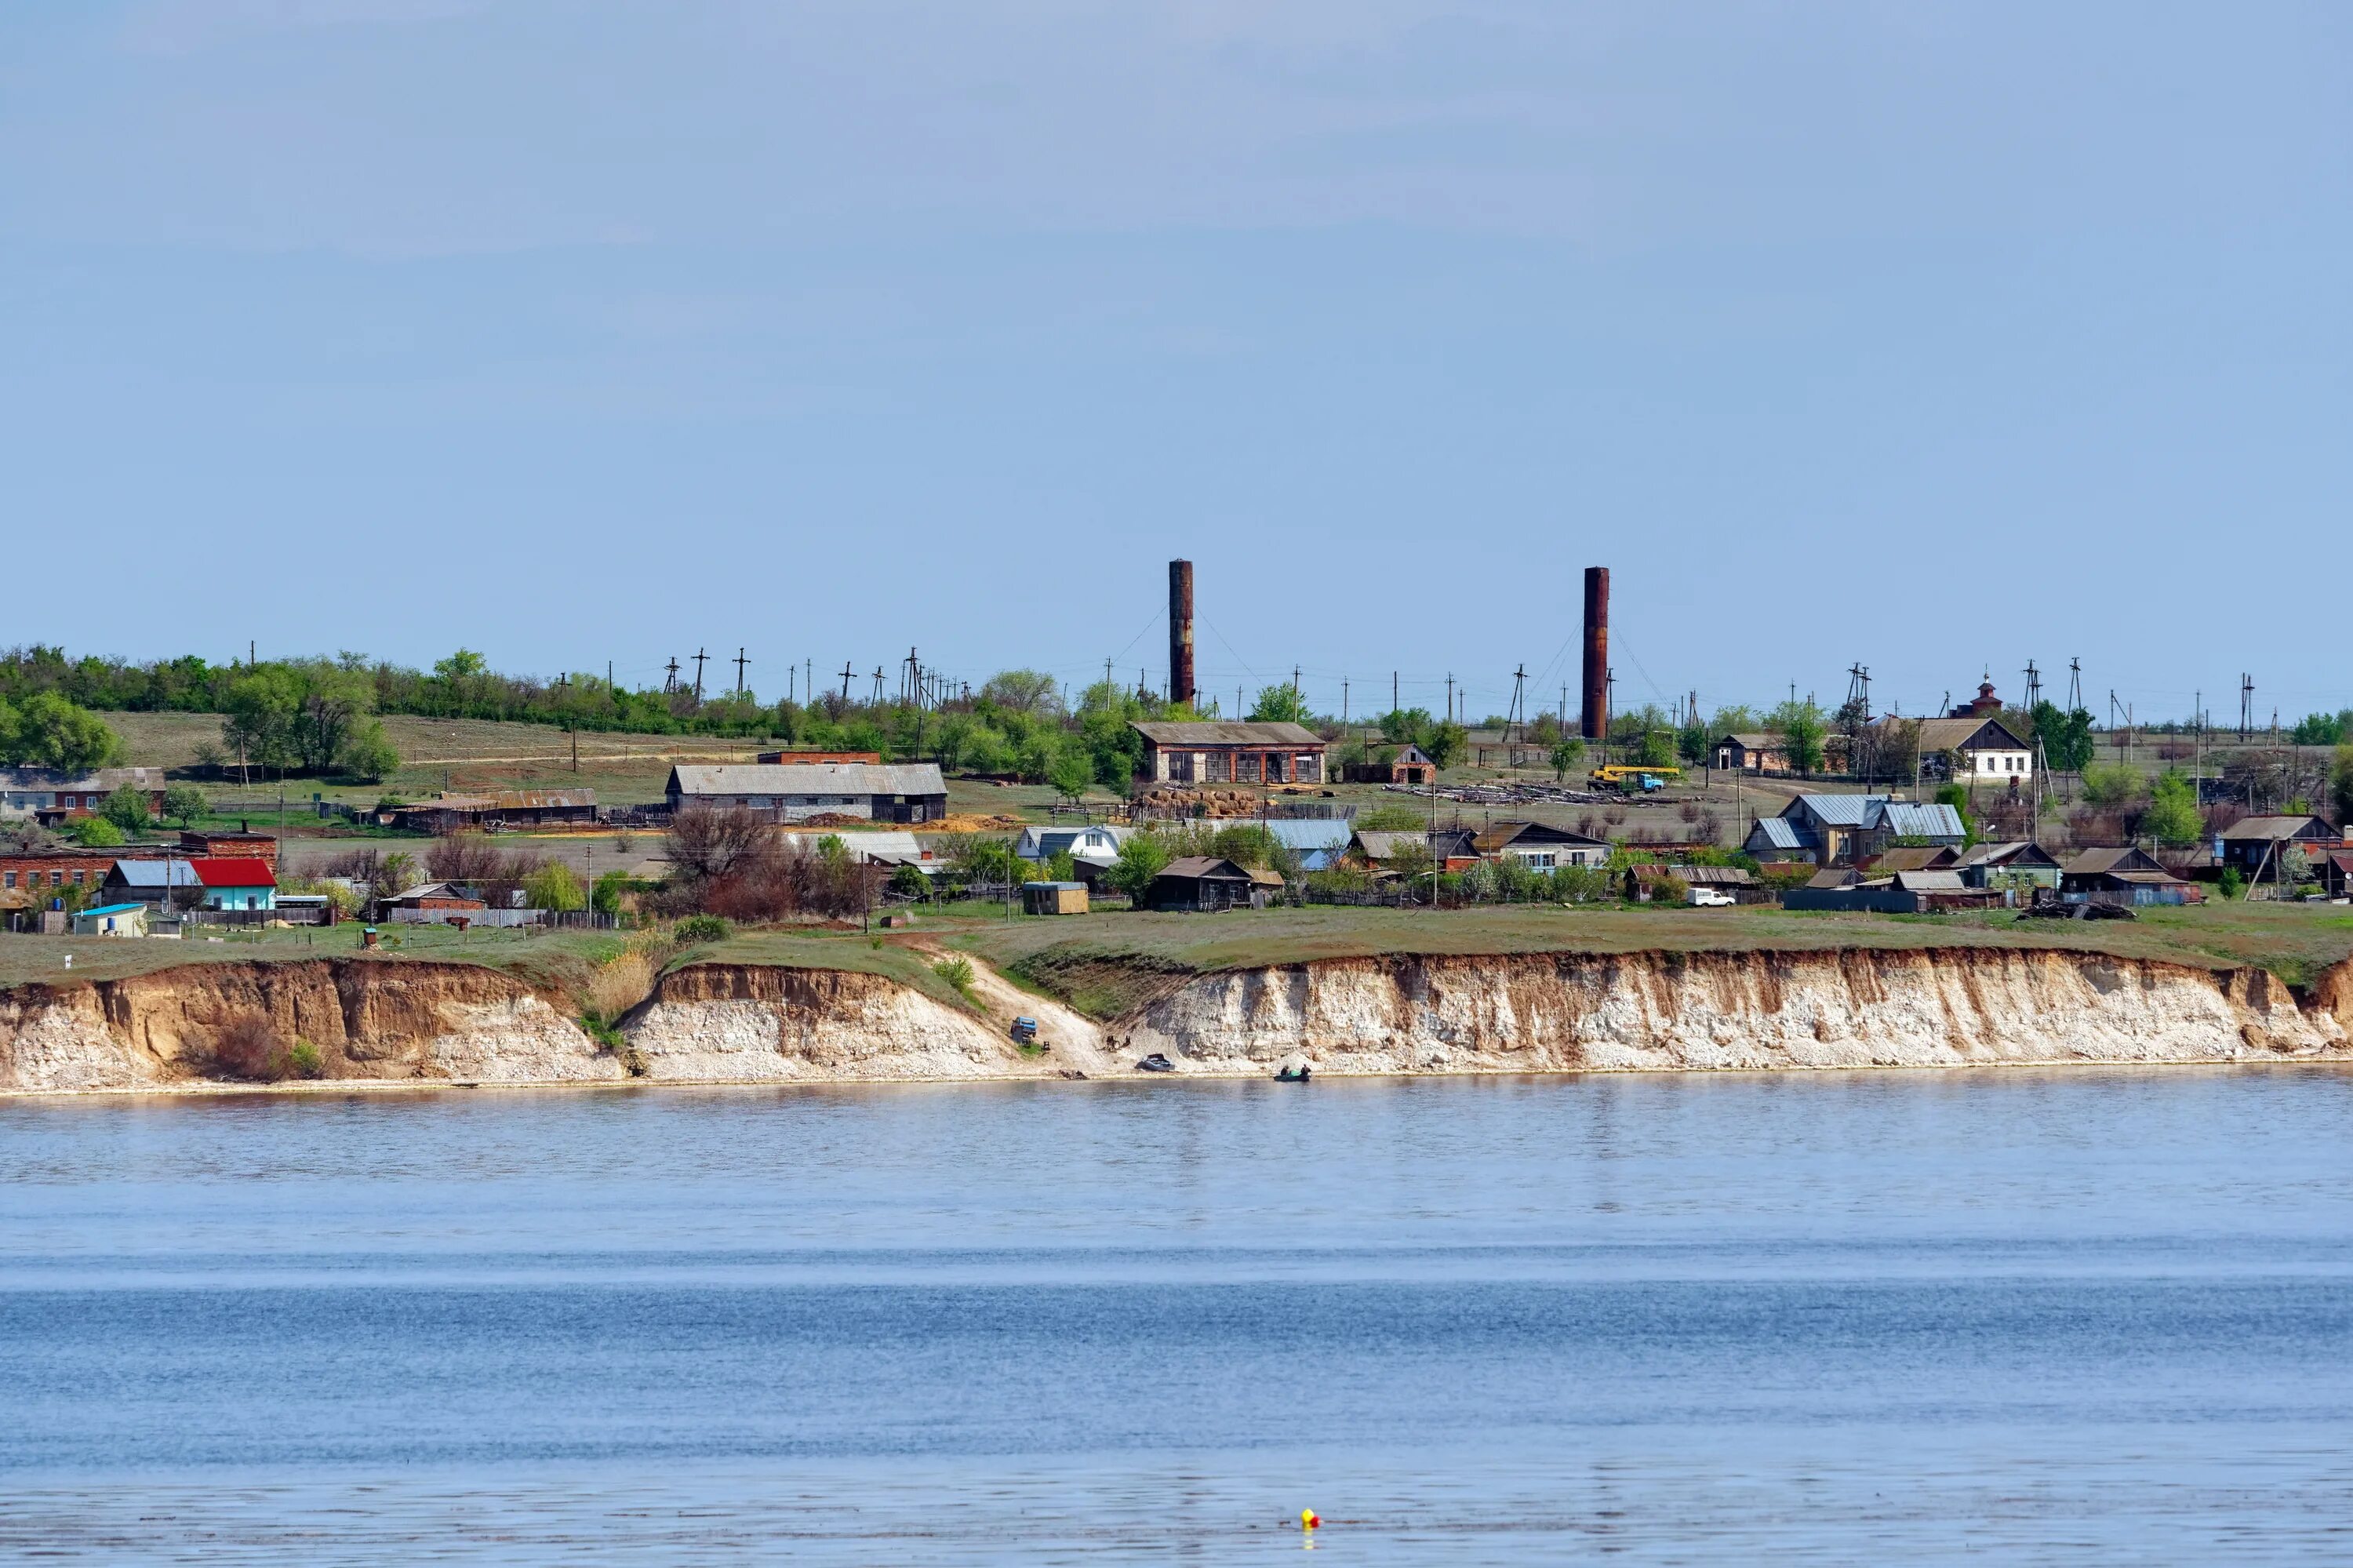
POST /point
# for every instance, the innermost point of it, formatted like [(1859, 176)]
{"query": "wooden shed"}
[(1053, 899)]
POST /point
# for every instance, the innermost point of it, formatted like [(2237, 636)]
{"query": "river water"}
[(2083, 1315)]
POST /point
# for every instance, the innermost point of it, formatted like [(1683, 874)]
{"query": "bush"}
[(958, 973), (702, 928), (1390, 820), (2110, 784), (96, 832), (126, 809), (249, 1048), (553, 886), (605, 899), (304, 1060)]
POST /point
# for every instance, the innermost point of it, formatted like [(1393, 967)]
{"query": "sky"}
[(1935, 337)]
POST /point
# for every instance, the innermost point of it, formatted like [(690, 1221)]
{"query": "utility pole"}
[(670, 676), (847, 673), (2246, 704), (1393, 691), (699, 657), (1449, 697), (2033, 686), (740, 663), (2074, 686)]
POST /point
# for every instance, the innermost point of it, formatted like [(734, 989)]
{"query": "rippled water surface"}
[(2088, 1315)]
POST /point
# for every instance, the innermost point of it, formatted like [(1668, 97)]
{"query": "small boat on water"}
[(1292, 1074)]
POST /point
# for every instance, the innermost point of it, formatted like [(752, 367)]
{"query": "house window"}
[(56, 879), (7, 879), (1538, 862)]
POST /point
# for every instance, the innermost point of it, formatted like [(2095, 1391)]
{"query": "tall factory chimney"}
[(1180, 631), (1596, 726)]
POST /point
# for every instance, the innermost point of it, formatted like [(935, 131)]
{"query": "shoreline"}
[(398, 1087)]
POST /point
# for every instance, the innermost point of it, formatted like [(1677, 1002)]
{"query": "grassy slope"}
[(1107, 963)]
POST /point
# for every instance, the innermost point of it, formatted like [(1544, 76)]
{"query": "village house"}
[(1097, 842), (51, 796), (1377, 849), (236, 882), (436, 904), (2254, 844), (1906, 892), (1970, 745), (2121, 875), (1540, 847), (155, 882), (2021, 866), (503, 808), (1403, 765), (1751, 751), (795, 792), (1454, 849), (1834, 829), (1318, 842), (1230, 752), (1641, 882), (1207, 883), (1914, 857), (30, 878)]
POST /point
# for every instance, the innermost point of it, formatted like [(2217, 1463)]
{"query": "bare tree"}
[(708, 842)]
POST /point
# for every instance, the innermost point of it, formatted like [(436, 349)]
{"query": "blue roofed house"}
[(1096, 841), (1840, 830), (1318, 842)]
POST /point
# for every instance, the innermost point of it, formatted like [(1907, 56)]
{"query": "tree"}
[(50, 731), (1656, 748), (1445, 744), (553, 886), (2340, 785), (185, 803), (706, 842), (1023, 692), (261, 713), (2172, 815), (1407, 727), (605, 897), (1143, 857), (126, 808), (394, 873), (366, 753), (1802, 729), (2066, 737), (1568, 754), (1278, 705), (1957, 796), (95, 832), (2110, 783)]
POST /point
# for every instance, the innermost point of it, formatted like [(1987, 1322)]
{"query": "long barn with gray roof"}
[(795, 792)]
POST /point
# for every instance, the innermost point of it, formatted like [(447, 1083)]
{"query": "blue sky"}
[(1937, 337)]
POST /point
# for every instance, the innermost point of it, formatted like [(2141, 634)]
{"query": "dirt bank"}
[(721, 1022), (369, 1021)]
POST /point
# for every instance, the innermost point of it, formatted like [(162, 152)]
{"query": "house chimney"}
[(1180, 631), (1595, 725)]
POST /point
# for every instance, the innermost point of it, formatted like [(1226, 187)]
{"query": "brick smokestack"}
[(1596, 726), (1180, 631)]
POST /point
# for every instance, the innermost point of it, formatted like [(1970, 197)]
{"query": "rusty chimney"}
[(1180, 631), (1596, 726)]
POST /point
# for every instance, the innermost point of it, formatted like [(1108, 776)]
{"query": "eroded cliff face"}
[(741, 1023), (1542, 1012), (370, 1021), (1552, 1012)]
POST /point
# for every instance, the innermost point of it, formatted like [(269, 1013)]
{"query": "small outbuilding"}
[(1053, 899), (1209, 883), (112, 920), (1398, 765)]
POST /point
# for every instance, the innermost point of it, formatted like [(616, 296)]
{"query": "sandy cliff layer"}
[(1550, 1013), (1545, 1012), (368, 1019)]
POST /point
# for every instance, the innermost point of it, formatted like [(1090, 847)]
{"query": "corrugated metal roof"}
[(154, 873), (1913, 820), (1956, 733), (1228, 732), (788, 779), (1303, 833), (1930, 882), (1378, 844), (1839, 811), (1781, 833), (2274, 829)]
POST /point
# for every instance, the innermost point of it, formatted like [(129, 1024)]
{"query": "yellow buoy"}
[(1309, 1519)]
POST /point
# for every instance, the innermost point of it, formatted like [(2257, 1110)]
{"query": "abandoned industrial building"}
[(797, 791), (1231, 753)]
